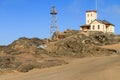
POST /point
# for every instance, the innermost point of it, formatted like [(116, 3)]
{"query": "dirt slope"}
[(100, 68), (114, 46), (26, 54)]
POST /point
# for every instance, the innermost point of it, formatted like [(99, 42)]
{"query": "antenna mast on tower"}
[(54, 26), (96, 5)]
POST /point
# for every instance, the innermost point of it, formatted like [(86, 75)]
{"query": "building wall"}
[(97, 26), (104, 28), (90, 16), (86, 28), (110, 28)]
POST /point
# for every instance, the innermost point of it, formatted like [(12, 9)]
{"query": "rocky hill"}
[(84, 44), (25, 54)]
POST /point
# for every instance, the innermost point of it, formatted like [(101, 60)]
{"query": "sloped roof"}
[(103, 22), (91, 11), (98, 21), (84, 25), (107, 23)]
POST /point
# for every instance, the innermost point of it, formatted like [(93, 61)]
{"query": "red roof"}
[(91, 11)]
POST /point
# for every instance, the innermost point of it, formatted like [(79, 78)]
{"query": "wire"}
[(96, 5)]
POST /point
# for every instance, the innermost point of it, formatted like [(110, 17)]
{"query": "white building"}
[(93, 24)]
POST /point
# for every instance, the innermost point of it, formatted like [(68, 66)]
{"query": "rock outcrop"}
[(25, 54)]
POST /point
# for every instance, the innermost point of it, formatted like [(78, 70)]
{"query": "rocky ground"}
[(26, 54), (95, 68)]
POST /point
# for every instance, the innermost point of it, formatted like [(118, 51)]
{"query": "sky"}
[(31, 18)]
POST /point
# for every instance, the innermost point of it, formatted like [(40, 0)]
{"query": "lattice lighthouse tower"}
[(54, 24)]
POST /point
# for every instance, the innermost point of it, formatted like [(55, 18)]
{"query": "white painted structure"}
[(90, 16), (93, 24)]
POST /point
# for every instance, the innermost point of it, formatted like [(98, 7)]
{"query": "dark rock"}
[(25, 67)]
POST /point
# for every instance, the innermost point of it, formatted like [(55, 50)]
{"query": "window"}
[(93, 27), (88, 15), (88, 27), (98, 26)]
